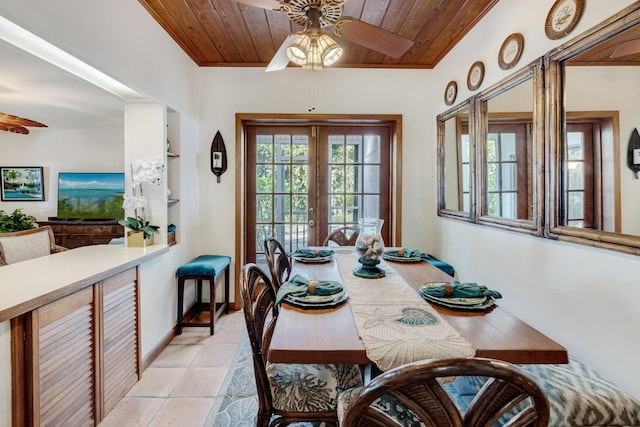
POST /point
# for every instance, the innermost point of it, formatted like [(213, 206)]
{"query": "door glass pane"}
[(576, 175), (575, 145), (282, 208), (264, 178), (336, 208), (371, 178), (337, 179), (300, 149), (509, 205), (300, 208), (264, 148), (371, 206), (353, 149), (576, 205), (336, 147), (507, 146), (492, 177), (264, 208), (372, 149), (492, 204), (300, 178), (509, 177), (353, 179)]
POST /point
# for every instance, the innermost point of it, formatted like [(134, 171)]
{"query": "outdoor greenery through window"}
[(354, 162), (507, 170), (282, 184), (304, 181)]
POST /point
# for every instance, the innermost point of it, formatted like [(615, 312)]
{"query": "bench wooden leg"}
[(180, 304)]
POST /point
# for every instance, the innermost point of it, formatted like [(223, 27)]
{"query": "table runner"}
[(395, 324)]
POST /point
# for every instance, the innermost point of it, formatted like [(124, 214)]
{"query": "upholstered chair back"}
[(27, 244)]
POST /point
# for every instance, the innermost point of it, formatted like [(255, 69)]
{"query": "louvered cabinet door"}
[(63, 361), (120, 343)]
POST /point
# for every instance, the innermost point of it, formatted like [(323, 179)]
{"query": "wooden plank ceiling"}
[(228, 33)]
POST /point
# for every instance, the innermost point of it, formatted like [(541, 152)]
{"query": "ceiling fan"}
[(629, 47), (17, 124), (312, 48)]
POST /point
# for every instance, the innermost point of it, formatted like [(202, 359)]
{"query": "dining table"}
[(330, 335)]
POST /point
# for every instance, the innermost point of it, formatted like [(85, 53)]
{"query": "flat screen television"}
[(90, 195)]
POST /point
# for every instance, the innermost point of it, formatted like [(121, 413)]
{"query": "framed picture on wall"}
[(23, 184)]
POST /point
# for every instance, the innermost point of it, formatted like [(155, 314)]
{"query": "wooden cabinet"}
[(72, 234), (79, 355)]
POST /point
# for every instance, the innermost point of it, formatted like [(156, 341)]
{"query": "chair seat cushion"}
[(386, 404), (579, 396), (310, 388), (204, 265)]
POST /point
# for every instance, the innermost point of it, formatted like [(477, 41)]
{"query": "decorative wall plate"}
[(510, 51), (475, 76), (450, 93), (562, 18)]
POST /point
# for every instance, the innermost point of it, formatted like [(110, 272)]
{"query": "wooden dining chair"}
[(287, 393), (343, 236), (27, 244), (413, 395), (279, 264)]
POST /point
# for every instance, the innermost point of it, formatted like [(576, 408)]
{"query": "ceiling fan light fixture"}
[(331, 51), (298, 51), (314, 56)]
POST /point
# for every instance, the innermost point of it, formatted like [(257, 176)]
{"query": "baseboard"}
[(155, 352)]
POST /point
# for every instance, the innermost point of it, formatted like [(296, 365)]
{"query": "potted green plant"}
[(16, 221)]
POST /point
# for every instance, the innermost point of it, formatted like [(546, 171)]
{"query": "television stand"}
[(72, 234)]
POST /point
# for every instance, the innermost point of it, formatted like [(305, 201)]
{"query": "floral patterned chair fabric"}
[(414, 395), (287, 393)]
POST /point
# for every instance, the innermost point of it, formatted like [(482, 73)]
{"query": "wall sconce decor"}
[(218, 156), (633, 153)]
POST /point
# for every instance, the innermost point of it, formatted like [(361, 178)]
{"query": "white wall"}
[(585, 298), (121, 39), (80, 150), (227, 91)]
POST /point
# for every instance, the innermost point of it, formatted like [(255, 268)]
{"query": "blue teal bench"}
[(204, 267), (447, 268), (578, 395)]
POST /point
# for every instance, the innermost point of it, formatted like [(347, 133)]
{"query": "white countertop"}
[(27, 285)]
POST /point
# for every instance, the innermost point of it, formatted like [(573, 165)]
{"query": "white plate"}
[(329, 304), (311, 299), (477, 307), (401, 258), (459, 301), (314, 259)]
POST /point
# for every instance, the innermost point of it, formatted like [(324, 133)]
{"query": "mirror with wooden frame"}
[(456, 163), (510, 122), (592, 111)]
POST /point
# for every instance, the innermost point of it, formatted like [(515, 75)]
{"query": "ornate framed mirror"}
[(591, 112), (456, 163), (510, 152)]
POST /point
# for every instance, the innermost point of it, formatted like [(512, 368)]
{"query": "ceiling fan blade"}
[(14, 129), (280, 59), (264, 4), (630, 47), (372, 37)]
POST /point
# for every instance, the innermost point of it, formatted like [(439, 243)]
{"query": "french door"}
[(304, 180)]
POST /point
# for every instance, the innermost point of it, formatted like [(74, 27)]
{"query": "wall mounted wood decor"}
[(218, 156), (562, 18)]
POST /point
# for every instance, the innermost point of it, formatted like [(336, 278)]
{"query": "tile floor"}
[(180, 386)]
